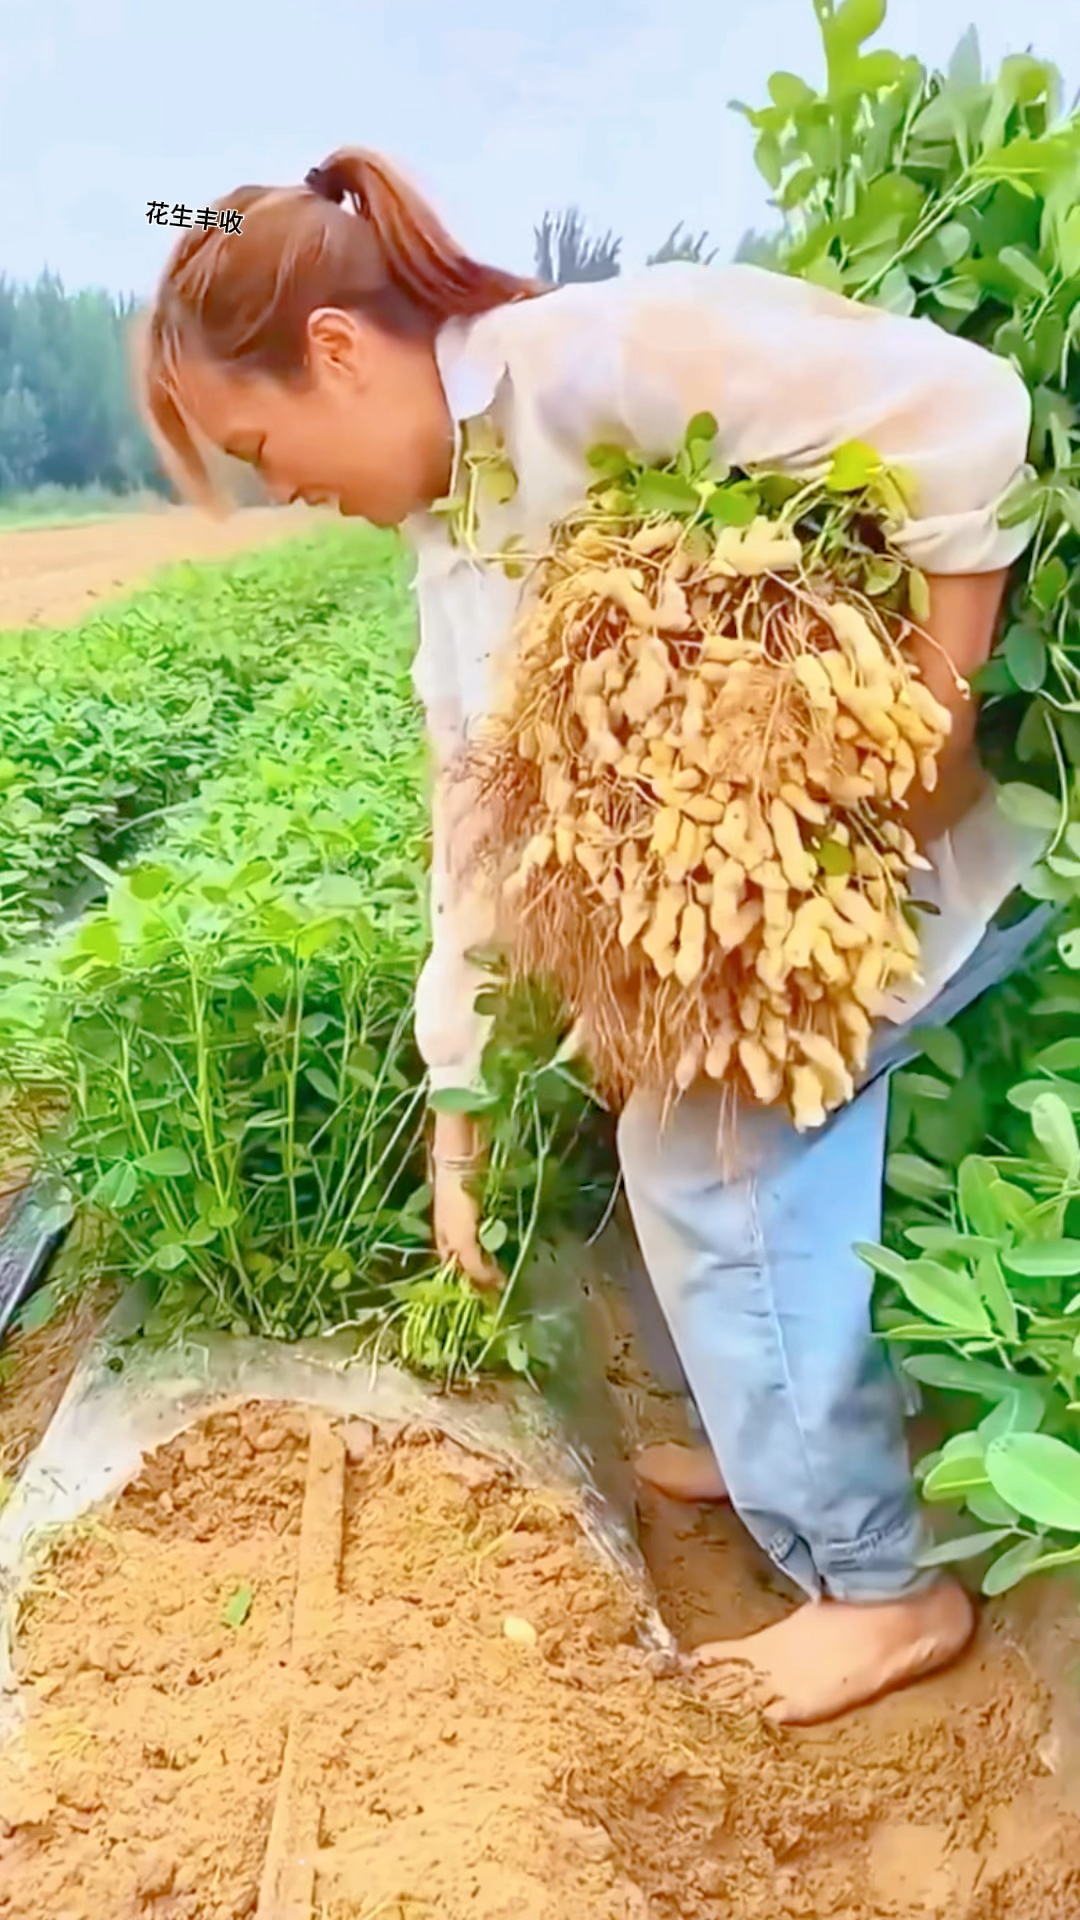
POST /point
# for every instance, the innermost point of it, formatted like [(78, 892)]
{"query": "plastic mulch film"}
[(127, 1399)]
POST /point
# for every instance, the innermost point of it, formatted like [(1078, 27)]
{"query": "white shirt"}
[(790, 372)]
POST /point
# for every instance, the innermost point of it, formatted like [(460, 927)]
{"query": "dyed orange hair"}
[(244, 299)]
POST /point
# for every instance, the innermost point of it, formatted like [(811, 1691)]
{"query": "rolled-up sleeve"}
[(791, 372), (971, 456), (967, 428), (450, 1033)]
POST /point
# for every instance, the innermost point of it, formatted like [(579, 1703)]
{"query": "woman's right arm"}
[(450, 1033)]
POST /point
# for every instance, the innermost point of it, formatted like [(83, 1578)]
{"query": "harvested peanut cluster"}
[(695, 792)]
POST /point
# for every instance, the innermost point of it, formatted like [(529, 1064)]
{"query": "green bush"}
[(956, 196)]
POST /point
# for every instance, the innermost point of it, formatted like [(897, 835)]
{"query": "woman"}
[(337, 343)]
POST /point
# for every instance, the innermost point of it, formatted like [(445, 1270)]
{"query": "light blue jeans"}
[(770, 1310)]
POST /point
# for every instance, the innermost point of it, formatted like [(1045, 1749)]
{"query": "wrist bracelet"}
[(458, 1163)]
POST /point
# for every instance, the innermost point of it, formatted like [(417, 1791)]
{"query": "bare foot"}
[(689, 1474), (830, 1657)]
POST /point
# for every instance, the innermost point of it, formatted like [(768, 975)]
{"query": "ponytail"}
[(422, 259)]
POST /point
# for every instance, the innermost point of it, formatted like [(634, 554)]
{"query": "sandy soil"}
[(50, 576), (301, 1672)]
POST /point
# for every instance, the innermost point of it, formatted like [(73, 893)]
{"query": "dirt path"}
[(51, 576)]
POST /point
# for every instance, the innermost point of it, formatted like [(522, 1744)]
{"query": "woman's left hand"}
[(455, 1160)]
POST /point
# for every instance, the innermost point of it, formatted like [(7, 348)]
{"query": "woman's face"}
[(365, 428)]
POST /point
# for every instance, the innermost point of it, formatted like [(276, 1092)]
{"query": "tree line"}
[(67, 411)]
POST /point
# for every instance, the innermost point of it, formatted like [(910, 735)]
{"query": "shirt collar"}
[(471, 364)]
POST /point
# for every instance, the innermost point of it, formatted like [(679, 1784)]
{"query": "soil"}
[(302, 1671), (53, 575)]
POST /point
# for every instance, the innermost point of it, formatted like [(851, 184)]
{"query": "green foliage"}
[(101, 734), (229, 1023), (981, 1271), (953, 196), (840, 518)]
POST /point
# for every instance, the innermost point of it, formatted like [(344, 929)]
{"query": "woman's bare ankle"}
[(690, 1475)]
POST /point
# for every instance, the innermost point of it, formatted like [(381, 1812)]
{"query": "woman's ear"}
[(339, 346)]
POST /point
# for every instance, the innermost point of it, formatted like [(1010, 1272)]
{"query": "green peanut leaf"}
[(1055, 1130), (704, 427), (942, 1294), (922, 1086), (1026, 658), (988, 1507), (1039, 1476), (916, 1178), (493, 1235), (953, 1373), (1012, 1567), (116, 1189), (1044, 1260), (1027, 1094), (1021, 1411), (995, 1291), (461, 1100), (1028, 806), (148, 882), (168, 1163), (896, 293), (238, 1607), (733, 506), (1063, 1056), (961, 1472), (1024, 269), (943, 1048), (517, 1353), (789, 93), (168, 1257), (610, 461), (100, 938), (966, 1546), (853, 466), (657, 492)]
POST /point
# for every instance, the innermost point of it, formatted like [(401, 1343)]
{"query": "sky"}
[(497, 110)]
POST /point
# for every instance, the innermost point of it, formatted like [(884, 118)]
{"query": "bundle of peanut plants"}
[(713, 723)]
